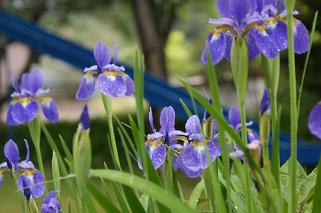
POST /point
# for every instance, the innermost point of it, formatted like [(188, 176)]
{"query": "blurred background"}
[(171, 35)]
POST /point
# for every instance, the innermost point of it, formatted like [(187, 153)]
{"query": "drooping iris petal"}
[(11, 152), (301, 38), (264, 43), (130, 87), (278, 30), (265, 105), (34, 182), (234, 117), (111, 84), (51, 204), (9, 119), (157, 152), (24, 112), (314, 122), (86, 87), (228, 46), (84, 118), (253, 49), (102, 55), (189, 172), (49, 109), (36, 80), (167, 119), (216, 44)]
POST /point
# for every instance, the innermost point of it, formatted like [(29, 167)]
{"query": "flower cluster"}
[(191, 150), (30, 180), (262, 23), (24, 106), (111, 79)]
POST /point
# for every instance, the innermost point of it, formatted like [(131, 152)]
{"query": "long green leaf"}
[(317, 195), (196, 194), (151, 189)]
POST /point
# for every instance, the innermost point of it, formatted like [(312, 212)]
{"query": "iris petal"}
[(36, 80), (265, 44), (24, 112), (11, 152), (301, 38), (86, 87), (167, 119), (102, 55), (279, 32), (314, 122), (193, 125), (157, 154), (252, 47), (216, 44), (234, 117), (10, 120), (130, 87), (49, 109), (111, 84)]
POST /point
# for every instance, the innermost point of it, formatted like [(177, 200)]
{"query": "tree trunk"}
[(152, 44)]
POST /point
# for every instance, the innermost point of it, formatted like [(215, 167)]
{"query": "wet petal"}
[(234, 117), (228, 47), (301, 38), (214, 149), (157, 154), (9, 119), (266, 45), (191, 173), (193, 125), (24, 185), (111, 84), (11, 152), (38, 187), (216, 43), (167, 119), (51, 204), (314, 122), (253, 49), (36, 80), (24, 112), (279, 33), (223, 7), (86, 87), (130, 87), (102, 55), (49, 109)]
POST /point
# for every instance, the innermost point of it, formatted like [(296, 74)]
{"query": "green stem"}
[(293, 109), (108, 108)]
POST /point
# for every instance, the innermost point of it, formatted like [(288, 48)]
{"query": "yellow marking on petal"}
[(27, 172), (114, 73), (197, 144), (90, 74), (24, 101), (153, 143), (179, 138), (271, 22)]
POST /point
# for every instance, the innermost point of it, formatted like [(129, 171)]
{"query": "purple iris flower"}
[(193, 158), (30, 180), (234, 119), (314, 122), (254, 145), (111, 79), (155, 144), (260, 22), (265, 105), (24, 105), (51, 204)]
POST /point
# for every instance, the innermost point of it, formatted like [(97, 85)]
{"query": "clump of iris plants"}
[(234, 163)]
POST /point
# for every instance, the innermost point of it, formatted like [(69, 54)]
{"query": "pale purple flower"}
[(51, 204), (106, 76), (314, 122)]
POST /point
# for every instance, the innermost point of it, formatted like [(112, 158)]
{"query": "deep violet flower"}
[(193, 158), (51, 204), (314, 122), (84, 118), (24, 106), (261, 22), (106, 76), (30, 180), (234, 119), (265, 105), (155, 144)]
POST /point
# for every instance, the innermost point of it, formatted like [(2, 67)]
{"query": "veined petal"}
[(86, 87), (26, 83), (223, 7), (130, 87), (38, 187), (32, 184), (278, 30), (49, 109), (15, 83), (191, 173), (151, 119), (222, 21), (193, 125), (216, 43), (157, 152), (301, 38), (11, 152), (264, 43), (314, 122), (228, 46), (51, 204), (167, 119), (24, 185), (36, 80), (93, 68), (239, 9), (253, 49), (25, 111), (102, 55), (10, 120), (112, 83)]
